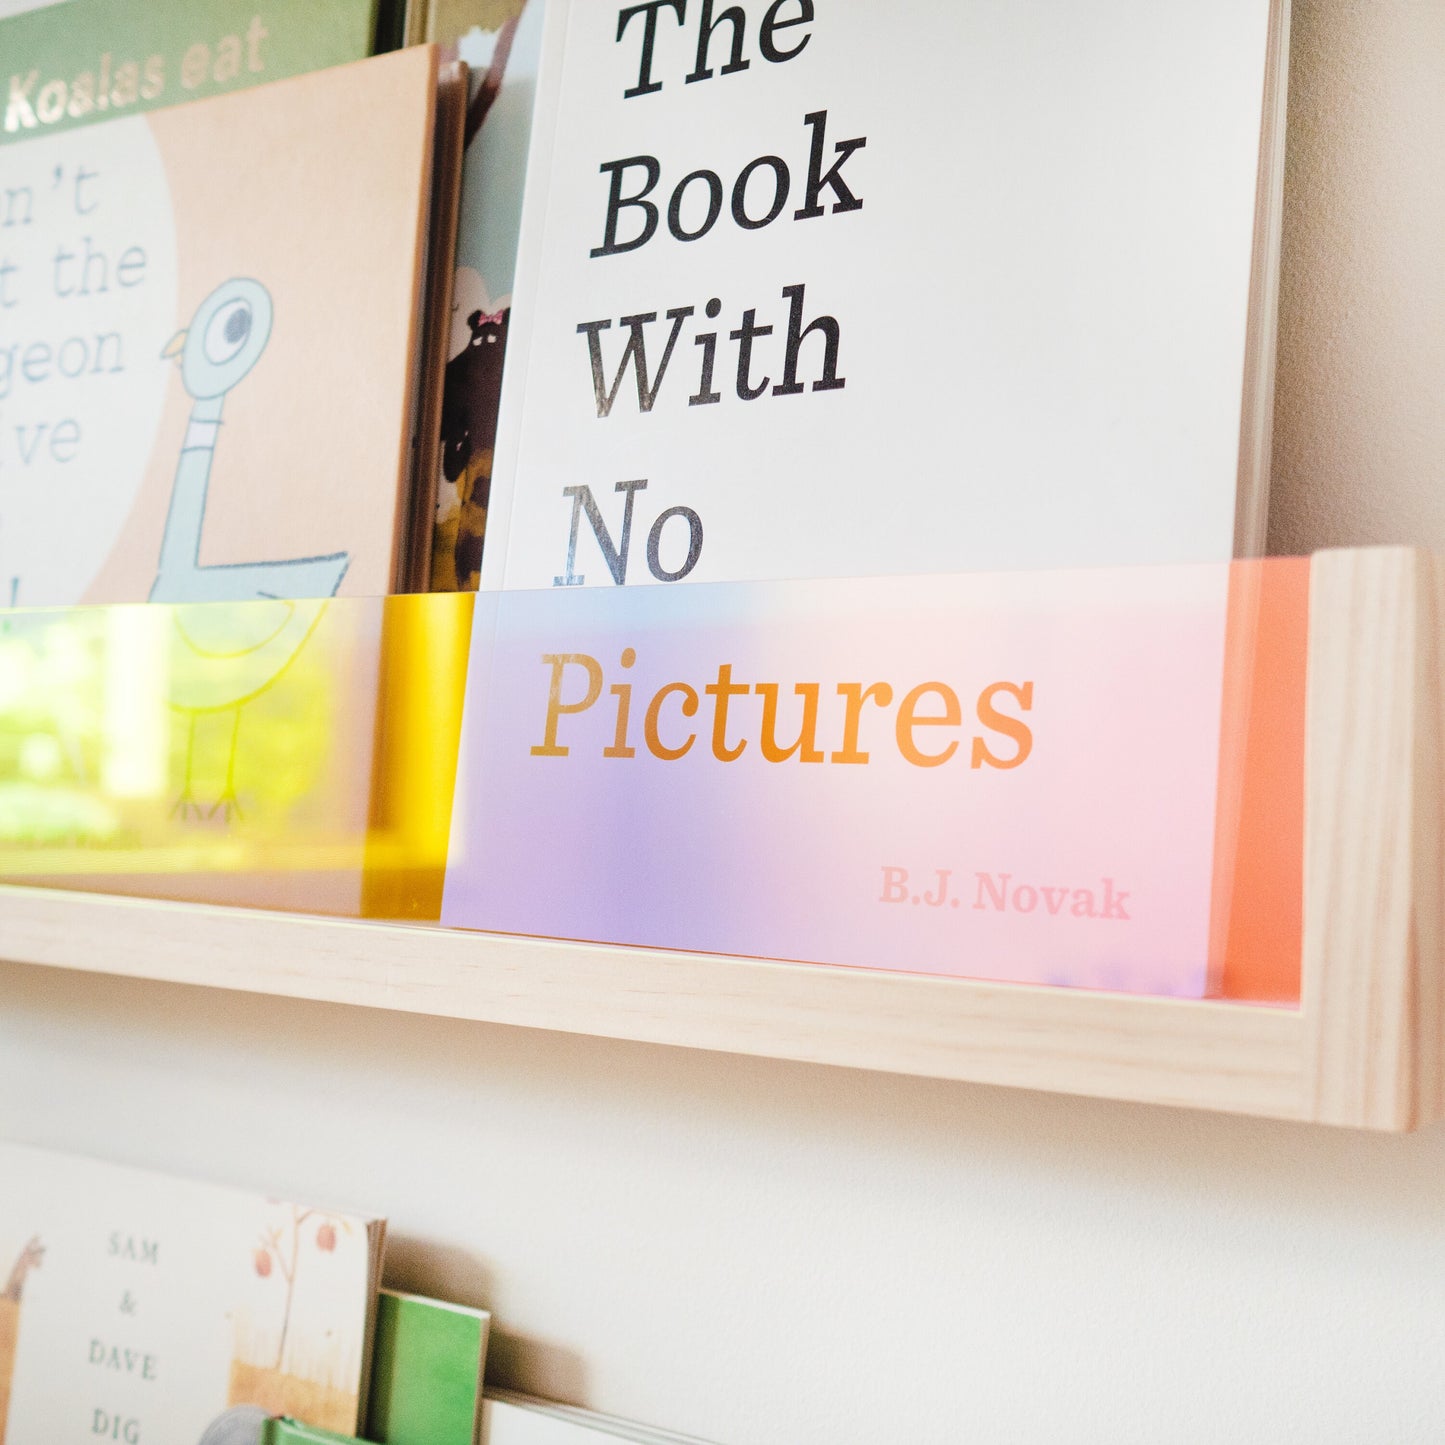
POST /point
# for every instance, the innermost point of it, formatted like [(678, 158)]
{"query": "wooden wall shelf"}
[(1364, 1048), (1237, 1057)]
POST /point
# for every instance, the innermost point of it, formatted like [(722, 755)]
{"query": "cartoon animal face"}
[(225, 338), (473, 394)]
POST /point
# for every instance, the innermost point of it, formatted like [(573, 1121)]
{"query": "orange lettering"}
[(724, 690), (558, 661), (908, 719), (856, 695), (689, 709), (999, 722), (622, 691), (806, 746)]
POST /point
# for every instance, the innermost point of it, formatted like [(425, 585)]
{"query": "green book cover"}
[(426, 1372), (285, 1431), (69, 63)]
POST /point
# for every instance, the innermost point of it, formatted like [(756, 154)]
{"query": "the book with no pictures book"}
[(975, 302), (832, 290), (211, 321), (141, 1307)]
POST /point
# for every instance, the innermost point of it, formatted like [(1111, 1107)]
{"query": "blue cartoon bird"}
[(216, 353), (227, 655)]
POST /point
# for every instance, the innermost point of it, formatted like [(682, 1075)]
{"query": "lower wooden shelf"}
[(1241, 1058)]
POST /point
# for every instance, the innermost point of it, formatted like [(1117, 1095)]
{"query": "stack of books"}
[(565, 299), (137, 1307), (1010, 304)]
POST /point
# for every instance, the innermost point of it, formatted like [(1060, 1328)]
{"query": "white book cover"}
[(507, 1424), (823, 288), (514, 1419), (19, 7), (158, 1311)]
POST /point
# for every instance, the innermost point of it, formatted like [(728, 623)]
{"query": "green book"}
[(68, 63), (426, 1372), (285, 1431)]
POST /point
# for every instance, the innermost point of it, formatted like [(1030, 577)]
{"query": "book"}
[(210, 354), (450, 145), (501, 41), (427, 1365), (964, 776), (75, 62), (515, 1419), (282, 1430), (803, 292), (220, 754), (138, 1306)]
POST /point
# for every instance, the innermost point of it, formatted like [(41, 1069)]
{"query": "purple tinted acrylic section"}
[(1088, 863)]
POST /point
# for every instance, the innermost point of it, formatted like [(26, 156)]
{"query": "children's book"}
[(427, 1365), (966, 776), (514, 1419), (500, 40), (74, 62), (221, 754), (283, 1430), (141, 1307), (812, 290), (210, 337), (450, 145)]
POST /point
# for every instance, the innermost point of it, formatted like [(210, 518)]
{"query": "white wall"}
[(761, 1252), (767, 1253)]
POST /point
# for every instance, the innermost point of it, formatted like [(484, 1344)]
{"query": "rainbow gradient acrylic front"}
[(1008, 776)]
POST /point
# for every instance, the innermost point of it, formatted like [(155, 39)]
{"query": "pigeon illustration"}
[(229, 655), (216, 353)]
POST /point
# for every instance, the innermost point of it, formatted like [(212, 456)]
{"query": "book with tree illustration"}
[(210, 356), (141, 1307), (68, 63), (811, 290)]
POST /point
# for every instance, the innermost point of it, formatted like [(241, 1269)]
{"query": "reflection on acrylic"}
[(1049, 777), (227, 753), (1092, 779)]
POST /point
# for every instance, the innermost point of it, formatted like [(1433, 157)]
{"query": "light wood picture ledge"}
[(1365, 1048)]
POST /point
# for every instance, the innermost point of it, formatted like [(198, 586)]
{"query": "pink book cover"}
[(208, 328), (1007, 776)]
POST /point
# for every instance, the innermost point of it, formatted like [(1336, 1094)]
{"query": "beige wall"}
[(1360, 421), (768, 1254)]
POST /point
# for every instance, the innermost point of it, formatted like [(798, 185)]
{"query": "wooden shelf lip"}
[(1216, 1055), (1365, 1048)]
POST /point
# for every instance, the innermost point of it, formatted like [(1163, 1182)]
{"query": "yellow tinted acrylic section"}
[(228, 753)]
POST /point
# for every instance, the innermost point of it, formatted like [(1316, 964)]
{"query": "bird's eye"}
[(227, 332)]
